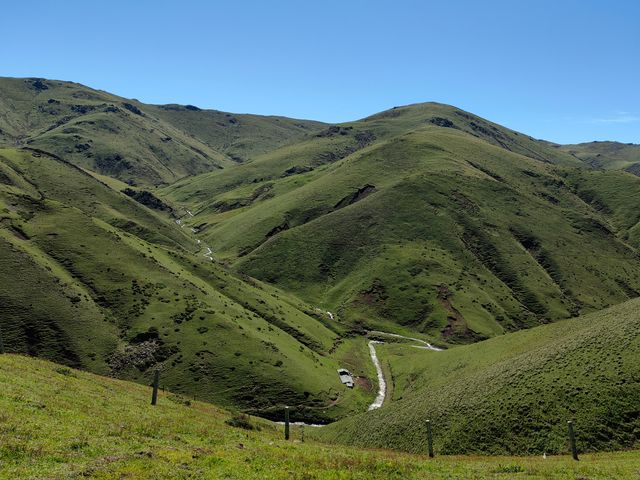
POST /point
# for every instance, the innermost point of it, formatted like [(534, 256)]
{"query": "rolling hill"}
[(512, 394), (608, 155), (131, 141), (424, 218), (93, 279), (248, 258), (241, 137)]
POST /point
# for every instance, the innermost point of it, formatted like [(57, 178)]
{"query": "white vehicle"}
[(345, 377)]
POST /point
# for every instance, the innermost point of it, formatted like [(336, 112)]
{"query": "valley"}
[(461, 271)]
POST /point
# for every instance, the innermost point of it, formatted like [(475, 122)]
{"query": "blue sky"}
[(563, 70)]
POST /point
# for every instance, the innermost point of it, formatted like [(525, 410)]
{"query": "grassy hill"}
[(104, 428), (423, 218), (512, 394), (239, 136), (336, 142), (131, 141), (91, 278), (607, 155), (614, 195)]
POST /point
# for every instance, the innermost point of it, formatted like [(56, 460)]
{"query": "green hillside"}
[(105, 429), (616, 196), (240, 136), (93, 279), (336, 142), (512, 394), (134, 142), (249, 257), (424, 217), (607, 155)]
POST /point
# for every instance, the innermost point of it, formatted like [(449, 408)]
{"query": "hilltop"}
[(129, 140), (608, 155)]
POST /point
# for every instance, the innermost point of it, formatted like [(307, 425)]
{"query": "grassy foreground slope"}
[(514, 393), (93, 279), (105, 429), (425, 218)]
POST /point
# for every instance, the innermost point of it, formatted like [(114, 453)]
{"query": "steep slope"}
[(93, 279), (100, 131), (424, 217), (126, 139), (616, 196), (103, 428), (514, 393), (607, 155)]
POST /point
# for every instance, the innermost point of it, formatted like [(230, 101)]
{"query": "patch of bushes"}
[(179, 399), (513, 468), (147, 199), (112, 164), (132, 108), (442, 122), (242, 420)]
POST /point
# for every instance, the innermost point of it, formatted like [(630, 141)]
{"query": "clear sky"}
[(563, 70)]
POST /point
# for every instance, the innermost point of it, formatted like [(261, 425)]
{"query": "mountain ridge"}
[(125, 138)]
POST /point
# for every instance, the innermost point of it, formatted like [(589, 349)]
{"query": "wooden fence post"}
[(156, 382), (572, 440), (430, 438), (286, 423)]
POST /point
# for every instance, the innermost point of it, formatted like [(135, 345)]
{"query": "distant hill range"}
[(131, 141)]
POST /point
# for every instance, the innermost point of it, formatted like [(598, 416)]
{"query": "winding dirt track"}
[(382, 384)]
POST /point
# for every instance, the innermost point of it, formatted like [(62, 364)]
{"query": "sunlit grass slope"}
[(60, 423), (126, 139), (608, 155), (242, 137), (93, 279), (426, 218), (513, 394)]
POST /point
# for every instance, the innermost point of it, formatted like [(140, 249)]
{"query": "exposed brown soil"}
[(364, 383), (456, 329), (374, 295)]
